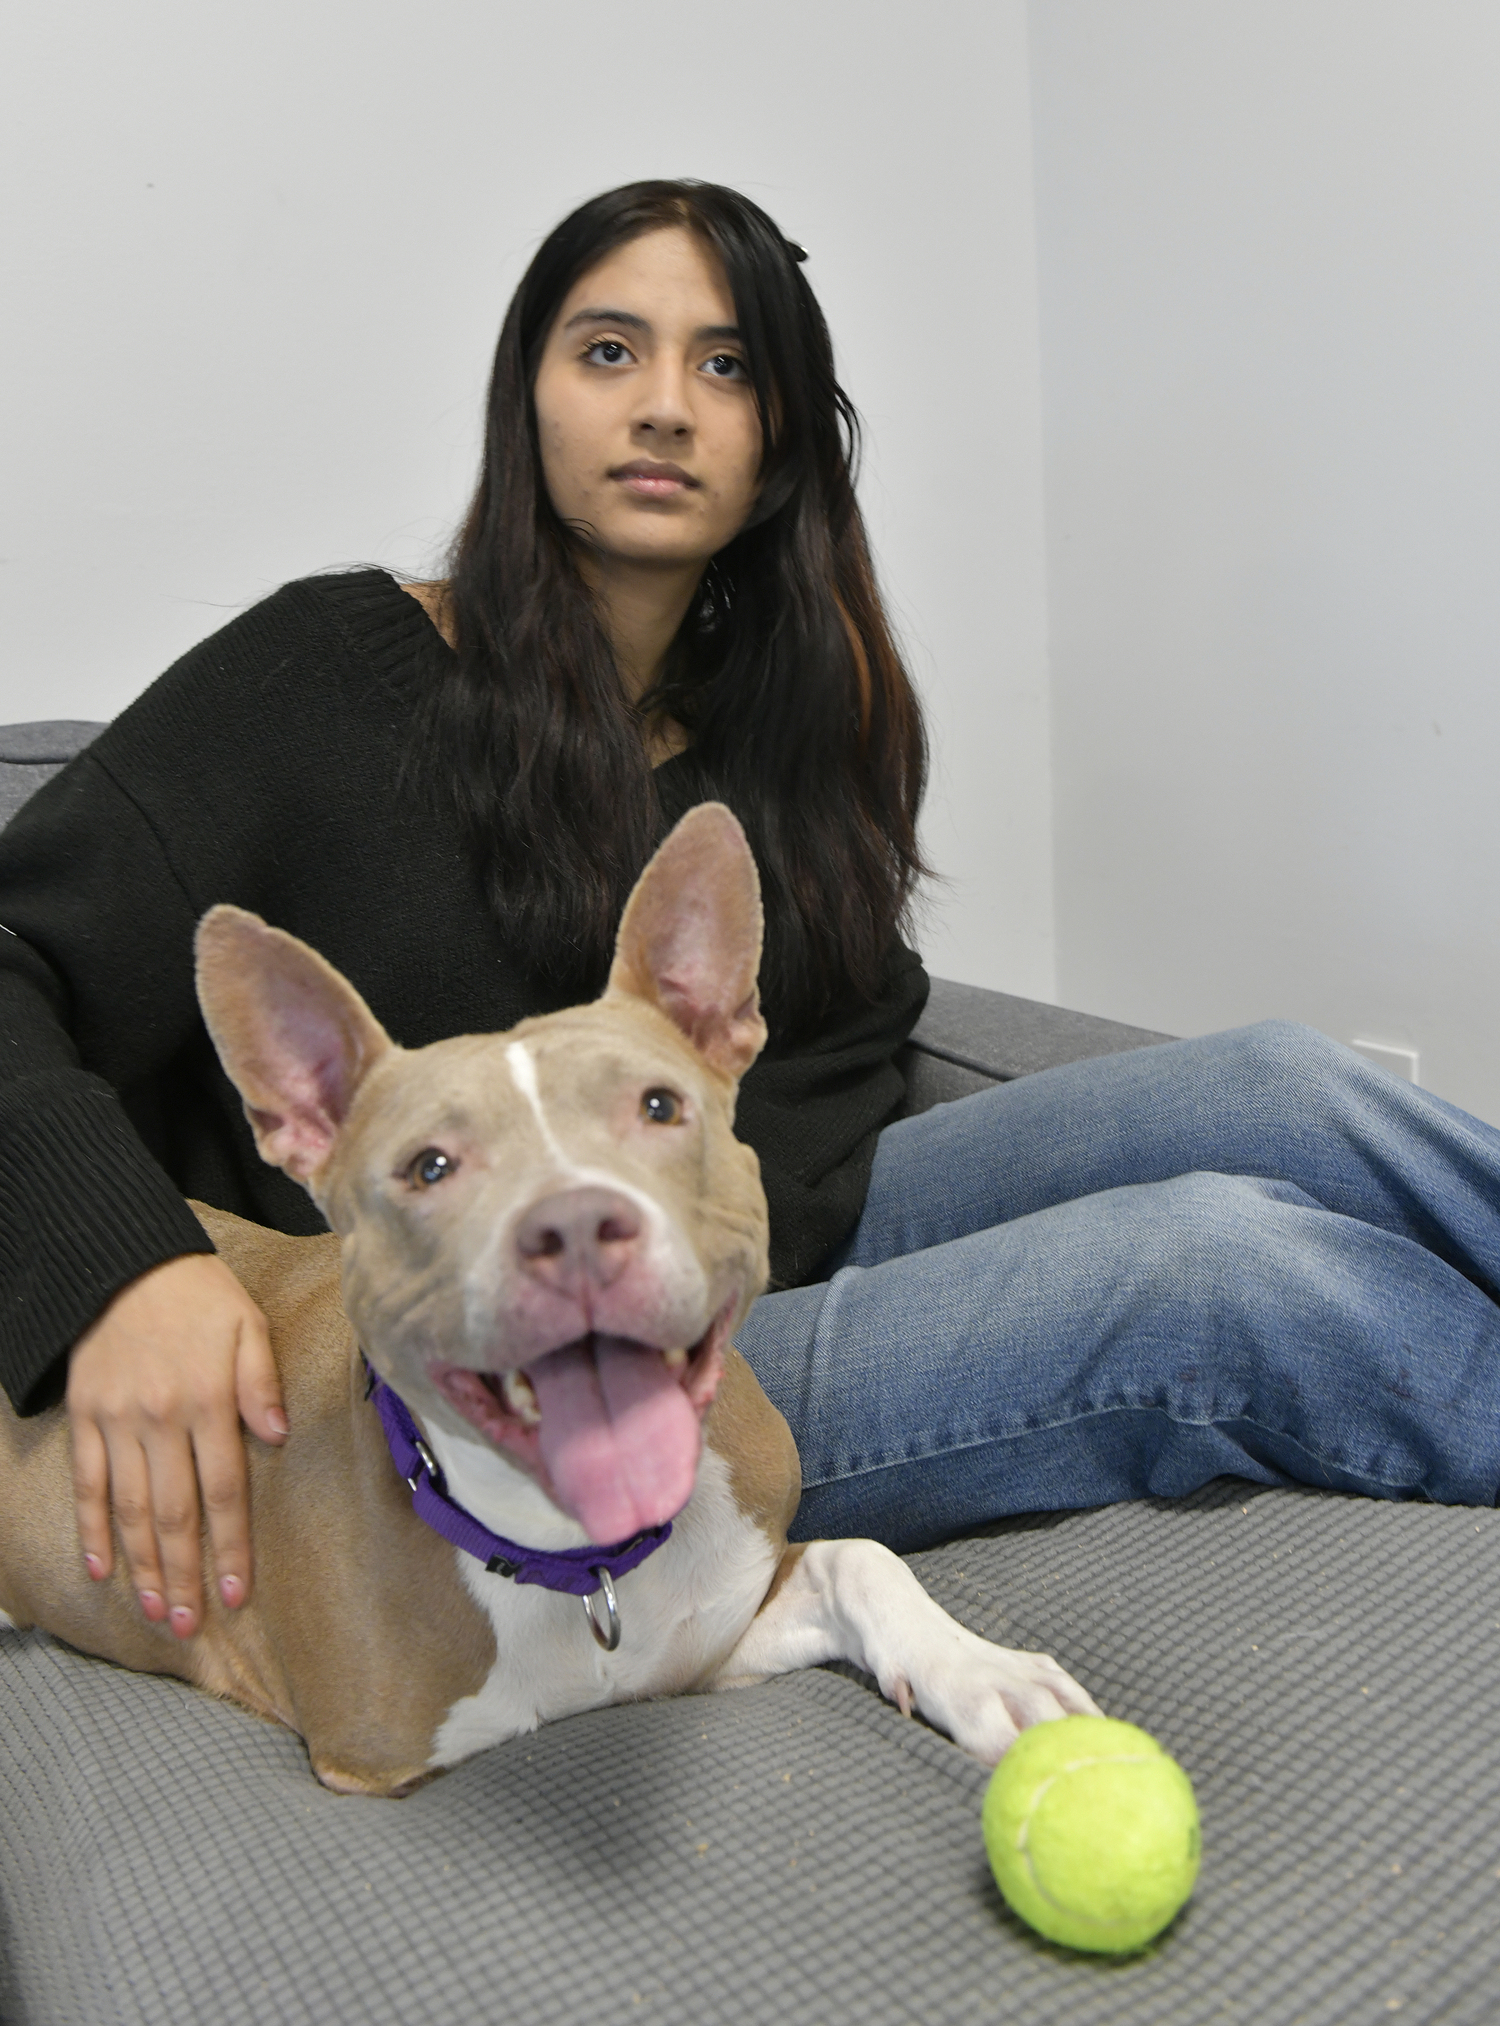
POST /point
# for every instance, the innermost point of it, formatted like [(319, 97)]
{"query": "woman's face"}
[(650, 440)]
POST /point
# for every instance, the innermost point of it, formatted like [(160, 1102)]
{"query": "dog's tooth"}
[(520, 1396), (674, 1360)]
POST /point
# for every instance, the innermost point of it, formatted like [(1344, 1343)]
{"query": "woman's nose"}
[(664, 409)]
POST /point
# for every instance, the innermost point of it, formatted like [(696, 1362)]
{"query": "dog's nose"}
[(581, 1237)]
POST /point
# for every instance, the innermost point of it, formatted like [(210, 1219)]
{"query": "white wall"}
[(1271, 345), (256, 257)]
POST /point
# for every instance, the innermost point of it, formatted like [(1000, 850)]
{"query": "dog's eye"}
[(431, 1166), (663, 1107)]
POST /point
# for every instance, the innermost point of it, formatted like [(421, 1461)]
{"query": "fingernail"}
[(279, 1421), (94, 1566), (153, 1606), (182, 1620), (232, 1590)]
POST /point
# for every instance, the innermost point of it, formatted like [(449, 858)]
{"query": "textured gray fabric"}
[(1324, 1667), (930, 1080), (969, 1039), (55, 739), (18, 783), (32, 753), (1000, 1036)]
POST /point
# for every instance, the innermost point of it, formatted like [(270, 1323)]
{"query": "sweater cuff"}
[(84, 1210)]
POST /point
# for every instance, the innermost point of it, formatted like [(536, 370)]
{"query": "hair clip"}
[(798, 253)]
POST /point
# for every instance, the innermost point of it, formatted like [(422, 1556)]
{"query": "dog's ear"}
[(296, 1040), (690, 939)]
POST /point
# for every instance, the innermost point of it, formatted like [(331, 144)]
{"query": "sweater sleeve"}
[(96, 941), (813, 1112)]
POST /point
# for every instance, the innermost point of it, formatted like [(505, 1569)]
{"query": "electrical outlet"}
[(1402, 1062)]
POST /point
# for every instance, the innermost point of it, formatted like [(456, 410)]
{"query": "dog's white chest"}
[(681, 1612)]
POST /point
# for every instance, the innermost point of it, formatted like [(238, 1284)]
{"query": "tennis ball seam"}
[(1023, 1851)]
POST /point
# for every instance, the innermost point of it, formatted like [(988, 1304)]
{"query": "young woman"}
[(1249, 1254)]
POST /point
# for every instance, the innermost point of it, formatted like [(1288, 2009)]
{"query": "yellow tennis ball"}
[(1092, 1833)]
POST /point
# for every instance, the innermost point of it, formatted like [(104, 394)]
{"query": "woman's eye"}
[(725, 366), (430, 1167), (662, 1107), (607, 352)]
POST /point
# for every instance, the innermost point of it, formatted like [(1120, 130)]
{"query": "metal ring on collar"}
[(429, 1464), (608, 1635)]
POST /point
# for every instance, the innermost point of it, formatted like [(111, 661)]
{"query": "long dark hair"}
[(785, 674)]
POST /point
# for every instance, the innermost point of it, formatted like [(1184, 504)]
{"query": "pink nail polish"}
[(94, 1566), (153, 1606), (232, 1590), (182, 1620)]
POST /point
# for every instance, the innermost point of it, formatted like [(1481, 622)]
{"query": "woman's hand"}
[(156, 1391)]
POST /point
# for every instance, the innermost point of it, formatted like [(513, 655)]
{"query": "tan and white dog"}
[(545, 1240)]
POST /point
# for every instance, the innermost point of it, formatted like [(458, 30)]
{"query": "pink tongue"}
[(619, 1436)]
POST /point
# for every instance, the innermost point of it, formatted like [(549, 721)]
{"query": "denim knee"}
[(1291, 1057), (1302, 1326), (1213, 1243)]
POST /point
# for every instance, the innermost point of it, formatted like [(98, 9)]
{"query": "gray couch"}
[(1325, 1667)]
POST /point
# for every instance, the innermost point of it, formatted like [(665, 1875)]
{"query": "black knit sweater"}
[(265, 768)]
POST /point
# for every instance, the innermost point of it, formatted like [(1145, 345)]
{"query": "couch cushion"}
[(1323, 1666)]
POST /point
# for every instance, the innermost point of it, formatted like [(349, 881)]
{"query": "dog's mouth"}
[(611, 1428)]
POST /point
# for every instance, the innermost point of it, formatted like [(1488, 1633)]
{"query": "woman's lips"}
[(650, 480)]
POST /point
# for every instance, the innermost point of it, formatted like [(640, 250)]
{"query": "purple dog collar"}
[(578, 1572)]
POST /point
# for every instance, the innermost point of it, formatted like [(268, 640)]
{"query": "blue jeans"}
[(1251, 1254)]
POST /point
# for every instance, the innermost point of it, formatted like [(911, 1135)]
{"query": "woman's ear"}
[(690, 939), (295, 1038)]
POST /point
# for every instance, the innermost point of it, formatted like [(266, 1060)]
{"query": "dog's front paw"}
[(853, 1600), (982, 1695)]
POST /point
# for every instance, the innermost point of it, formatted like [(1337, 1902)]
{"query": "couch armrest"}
[(31, 754), (969, 1038)]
